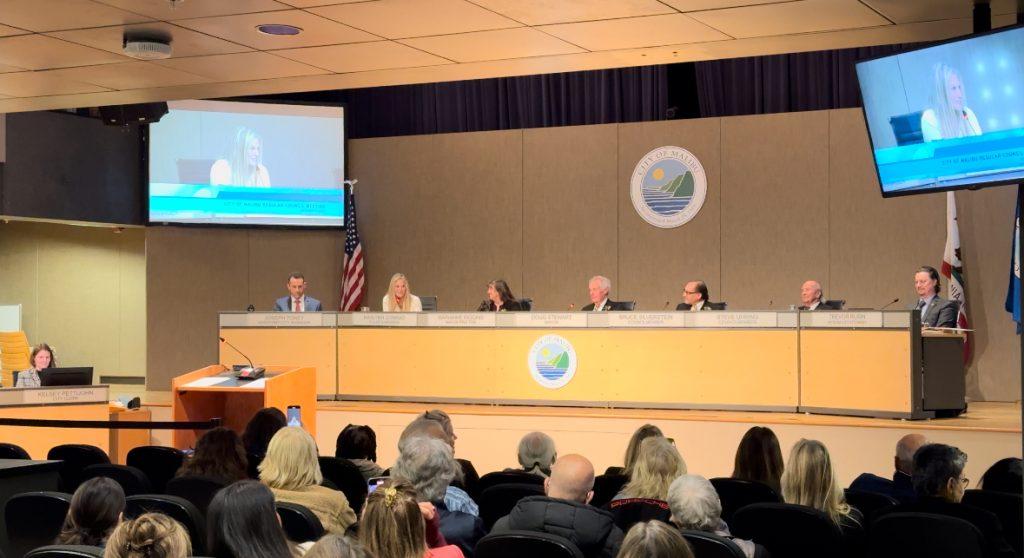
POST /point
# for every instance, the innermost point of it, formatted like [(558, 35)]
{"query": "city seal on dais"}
[(552, 361), (668, 186)]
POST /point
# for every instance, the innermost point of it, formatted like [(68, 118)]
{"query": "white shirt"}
[(414, 304), (816, 304), (697, 307), (931, 129), (301, 303), (599, 307)]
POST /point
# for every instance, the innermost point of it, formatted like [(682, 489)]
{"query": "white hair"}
[(606, 283), (536, 452), (427, 463), (694, 503)]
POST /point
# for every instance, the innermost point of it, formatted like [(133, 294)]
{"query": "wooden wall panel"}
[(274, 254)]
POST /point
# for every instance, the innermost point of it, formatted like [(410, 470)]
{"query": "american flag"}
[(353, 280)]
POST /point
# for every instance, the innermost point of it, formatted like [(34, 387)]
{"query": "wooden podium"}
[(213, 392)]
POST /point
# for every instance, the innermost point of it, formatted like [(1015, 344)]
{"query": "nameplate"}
[(896, 320), (279, 319), (732, 319), (852, 319), (54, 395), (541, 319), (457, 319), (378, 319), (645, 319)]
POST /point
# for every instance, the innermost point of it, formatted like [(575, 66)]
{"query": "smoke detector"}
[(147, 45)]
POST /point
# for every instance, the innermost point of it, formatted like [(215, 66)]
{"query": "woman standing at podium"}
[(399, 299), (41, 358)]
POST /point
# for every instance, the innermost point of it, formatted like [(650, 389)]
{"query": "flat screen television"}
[(236, 163), (947, 116)]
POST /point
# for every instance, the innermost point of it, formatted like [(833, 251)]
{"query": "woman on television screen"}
[(244, 165), (949, 117)]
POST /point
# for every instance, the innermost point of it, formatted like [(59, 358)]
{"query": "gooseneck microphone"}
[(891, 302), (252, 372), (572, 306), (667, 302)]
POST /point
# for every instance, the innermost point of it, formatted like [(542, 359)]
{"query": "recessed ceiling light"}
[(278, 29)]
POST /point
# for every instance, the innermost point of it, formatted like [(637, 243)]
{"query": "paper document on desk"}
[(255, 384), (207, 381)]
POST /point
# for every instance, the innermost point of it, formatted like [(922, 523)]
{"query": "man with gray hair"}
[(598, 288), (429, 465), (564, 510), (900, 486), (695, 506), (811, 295), (537, 453), (456, 498)]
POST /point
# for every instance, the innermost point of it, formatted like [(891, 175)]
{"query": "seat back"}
[(66, 551), (509, 477), (710, 545), (921, 535), (907, 128), (299, 524), (737, 493), (836, 304), (160, 463), (631, 511), (429, 303), (527, 303), (629, 305), (516, 544), (869, 503), (789, 530), (75, 457), (13, 451), (14, 355), (34, 519), (470, 478), (345, 475), (717, 305), (1007, 507), (178, 509), (606, 487), (198, 490), (498, 500), (132, 480)]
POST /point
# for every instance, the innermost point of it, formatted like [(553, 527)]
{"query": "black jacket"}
[(610, 306), (986, 522), (593, 531), (510, 306), (460, 529), (899, 487)]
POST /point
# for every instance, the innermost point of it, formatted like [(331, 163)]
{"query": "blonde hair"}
[(654, 539), (406, 304), (242, 173), (292, 462), (951, 120), (809, 480), (658, 463), (633, 448), (151, 535), (392, 525)]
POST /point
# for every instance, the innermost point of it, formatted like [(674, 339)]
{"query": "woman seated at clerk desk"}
[(42, 358), (499, 298), (399, 299)]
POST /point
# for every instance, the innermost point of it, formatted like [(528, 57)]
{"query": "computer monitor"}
[(81, 376)]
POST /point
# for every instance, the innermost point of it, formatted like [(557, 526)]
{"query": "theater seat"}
[(924, 535), (710, 545), (34, 519), (179, 509), (509, 477), (789, 530), (300, 524), (606, 487), (520, 544), (345, 475), (75, 457), (132, 480), (198, 490), (737, 493), (497, 501), (13, 451), (160, 463), (66, 551), (869, 503), (1009, 508)]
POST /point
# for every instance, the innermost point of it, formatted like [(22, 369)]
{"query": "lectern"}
[(213, 392)]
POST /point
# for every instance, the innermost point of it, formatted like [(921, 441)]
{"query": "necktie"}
[(298, 305)]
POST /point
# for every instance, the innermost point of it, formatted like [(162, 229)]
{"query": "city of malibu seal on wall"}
[(552, 361), (668, 186)]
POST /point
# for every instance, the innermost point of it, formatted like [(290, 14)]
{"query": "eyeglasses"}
[(965, 481), (689, 292)]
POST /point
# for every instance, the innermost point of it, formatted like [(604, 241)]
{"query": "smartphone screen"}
[(374, 482), (294, 415)]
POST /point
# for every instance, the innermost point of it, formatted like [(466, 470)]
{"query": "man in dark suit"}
[(297, 301), (695, 297), (599, 287), (811, 296), (935, 310), (940, 483), (900, 487)]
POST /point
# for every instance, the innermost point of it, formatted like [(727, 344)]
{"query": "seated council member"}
[(935, 310), (811, 295), (399, 299), (499, 298), (949, 116), (41, 358), (297, 301), (695, 297), (599, 288)]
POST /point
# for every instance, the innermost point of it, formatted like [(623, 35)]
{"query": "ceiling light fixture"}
[(278, 29)]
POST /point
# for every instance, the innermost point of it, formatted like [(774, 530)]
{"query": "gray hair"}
[(694, 503), (536, 452), (428, 464), (606, 283)]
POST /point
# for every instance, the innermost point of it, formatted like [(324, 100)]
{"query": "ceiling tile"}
[(6, 31), (170, 10), (38, 84), (907, 11), (396, 19), (316, 30), (363, 56), (493, 45), (241, 67), (698, 5), (53, 15), (635, 32), (38, 52), (542, 12), (131, 75), (314, 3), (802, 16), (184, 42)]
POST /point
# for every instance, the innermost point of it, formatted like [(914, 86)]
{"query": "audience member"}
[(96, 509), (633, 447), (243, 523), (151, 535), (940, 483), (469, 477), (336, 546), (393, 525), (657, 464), (1004, 476), (456, 499), (261, 428), (358, 444), (759, 458), (219, 455), (428, 464), (696, 506), (564, 510), (810, 480), (537, 453), (292, 471), (900, 487), (654, 539)]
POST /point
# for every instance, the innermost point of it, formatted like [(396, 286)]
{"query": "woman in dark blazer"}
[(499, 298)]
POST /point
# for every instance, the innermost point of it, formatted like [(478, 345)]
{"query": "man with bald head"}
[(564, 510), (810, 296), (598, 288), (900, 487)]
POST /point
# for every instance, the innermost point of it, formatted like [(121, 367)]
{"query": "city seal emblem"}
[(668, 186), (552, 361)]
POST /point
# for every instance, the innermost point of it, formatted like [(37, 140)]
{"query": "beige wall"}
[(82, 290)]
